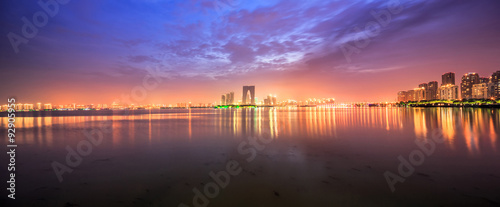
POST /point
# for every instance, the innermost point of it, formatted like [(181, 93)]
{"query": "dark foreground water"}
[(272, 157)]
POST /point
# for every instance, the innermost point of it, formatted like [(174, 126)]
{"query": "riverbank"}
[(476, 103)]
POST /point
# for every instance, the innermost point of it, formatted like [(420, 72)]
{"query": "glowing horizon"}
[(97, 52)]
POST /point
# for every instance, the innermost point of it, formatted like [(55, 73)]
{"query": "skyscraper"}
[(432, 90), (468, 80), (410, 94), (246, 90), (421, 91), (448, 92), (495, 77), (230, 98), (484, 80), (223, 100), (419, 94), (482, 90), (448, 78), (402, 96), (495, 80)]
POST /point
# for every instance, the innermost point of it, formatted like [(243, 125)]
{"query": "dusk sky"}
[(94, 51)]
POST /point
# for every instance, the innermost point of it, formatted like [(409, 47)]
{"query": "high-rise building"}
[(227, 99), (19, 107), (495, 77), (448, 78), (423, 85), (230, 98), (223, 100), (246, 95), (411, 95), (468, 80), (495, 80), (419, 94), (484, 80), (270, 100), (448, 92), (482, 90), (28, 107), (432, 90), (402, 96)]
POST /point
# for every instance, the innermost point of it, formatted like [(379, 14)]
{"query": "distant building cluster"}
[(270, 100), (248, 98), (227, 99), (113, 106), (472, 86), (47, 107)]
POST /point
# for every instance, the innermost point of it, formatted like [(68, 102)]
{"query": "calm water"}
[(316, 157)]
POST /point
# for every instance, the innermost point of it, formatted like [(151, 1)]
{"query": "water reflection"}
[(474, 130)]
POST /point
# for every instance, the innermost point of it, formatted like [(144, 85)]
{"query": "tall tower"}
[(448, 78), (230, 98), (247, 89), (432, 88), (223, 100), (468, 80), (495, 80), (495, 77)]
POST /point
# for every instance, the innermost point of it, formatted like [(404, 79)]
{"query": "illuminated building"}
[(19, 107), (432, 90), (270, 100), (495, 80), (419, 94), (115, 106), (482, 90), (246, 90), (484, 80), (28, 107), (227, 99), (411, 95), (402, 96), (468, 80), (495, 77), (38, 106), (448, 92), (423, 85), (448, 79), (47, 106), (266, 101)]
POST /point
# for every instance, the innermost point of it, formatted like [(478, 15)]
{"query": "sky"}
[(96, 51)]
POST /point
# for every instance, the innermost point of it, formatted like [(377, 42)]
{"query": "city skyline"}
[(471, 86), (88, 52)]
